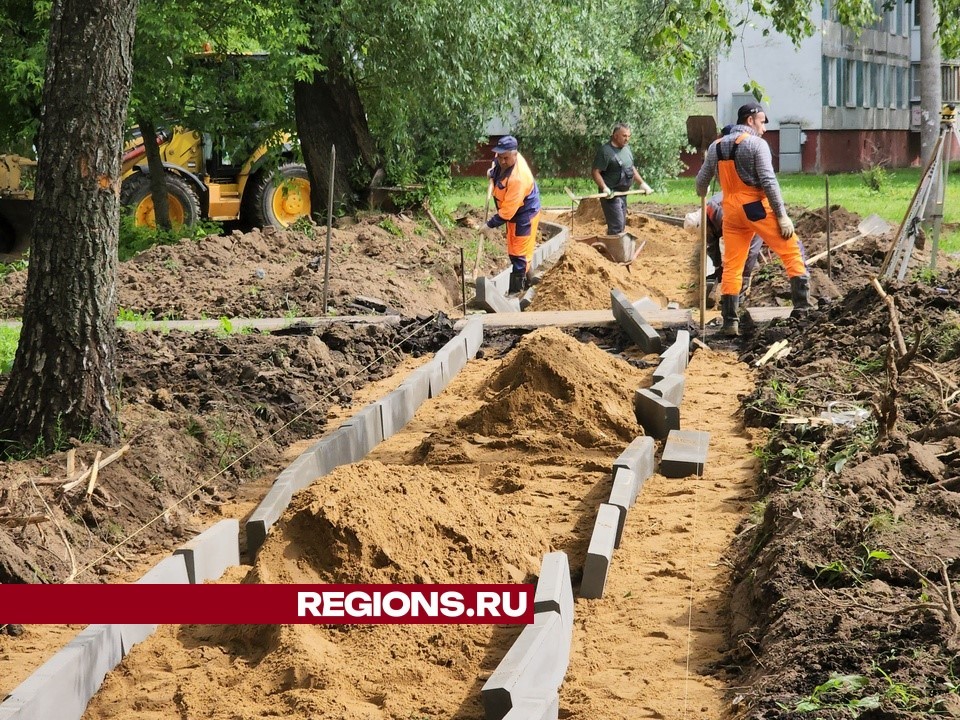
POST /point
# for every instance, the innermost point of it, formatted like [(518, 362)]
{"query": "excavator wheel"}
[(278, 198), (136, 197)]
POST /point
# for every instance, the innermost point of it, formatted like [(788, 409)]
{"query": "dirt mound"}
[(850, 267), (581, 280), (847, 570), (588, 211), (551, 380), (810, 223)]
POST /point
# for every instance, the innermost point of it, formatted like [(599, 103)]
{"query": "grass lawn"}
[(846, 189)]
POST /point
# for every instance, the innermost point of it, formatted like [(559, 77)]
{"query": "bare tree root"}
[(944, 604)]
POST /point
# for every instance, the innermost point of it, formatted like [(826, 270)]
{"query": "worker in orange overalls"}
[(752, 204), (517, 197)]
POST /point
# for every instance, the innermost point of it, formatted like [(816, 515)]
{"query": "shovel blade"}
[(873, 225)]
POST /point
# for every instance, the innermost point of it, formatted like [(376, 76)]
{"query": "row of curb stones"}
[(658, 413)]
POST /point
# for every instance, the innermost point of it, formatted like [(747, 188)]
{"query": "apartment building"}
[(840, 101)]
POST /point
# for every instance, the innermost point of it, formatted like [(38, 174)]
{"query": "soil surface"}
[(808, 570)]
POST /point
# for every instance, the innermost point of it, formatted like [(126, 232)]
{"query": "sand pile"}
[(664, 270), (550, 380), (375, 523)]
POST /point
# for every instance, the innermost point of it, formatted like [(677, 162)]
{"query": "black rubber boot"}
[(800, 294), (728, 310), (517, 281)]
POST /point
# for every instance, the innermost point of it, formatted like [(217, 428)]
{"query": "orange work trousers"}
[(523, 245), (747, 212)]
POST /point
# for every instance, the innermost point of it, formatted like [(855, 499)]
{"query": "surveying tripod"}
[(933, 179)]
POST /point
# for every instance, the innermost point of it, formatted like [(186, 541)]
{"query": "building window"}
[(850, 83), (707, 79), (838, 75), (950, 84), (879, 78), (915, 82), (868, 70), (916, 13), (892, 87), (832, 96)]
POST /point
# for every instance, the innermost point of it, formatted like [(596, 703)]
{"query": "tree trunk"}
[(330, 112), (158, 178), (63, 383), (930, 90)]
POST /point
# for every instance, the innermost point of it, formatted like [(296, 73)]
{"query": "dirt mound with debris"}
[(204, 416), (845, 570), (850, 265), (397, 260), (551, 380)]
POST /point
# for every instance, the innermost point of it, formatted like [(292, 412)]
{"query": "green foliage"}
[(799, 463), (12, 267), (900, 694), (785, 396), (858, 440), (139, 320), (881, 522), (391, 227), (837, 572), (943, 342), (925, 275), (137, 238), (9, 339), (839, 692), (875, 178)]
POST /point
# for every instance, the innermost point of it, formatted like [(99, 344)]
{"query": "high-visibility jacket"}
[(517, 198)]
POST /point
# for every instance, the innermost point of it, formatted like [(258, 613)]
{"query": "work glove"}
[(607, 191), (786, 226), (488, 232), (647, 190)]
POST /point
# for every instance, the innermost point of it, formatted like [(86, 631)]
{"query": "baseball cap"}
[(747, 110), (726, 130), (505, 144)]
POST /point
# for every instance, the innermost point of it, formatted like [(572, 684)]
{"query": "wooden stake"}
[(436, 223), (703, 266), (71, 461)]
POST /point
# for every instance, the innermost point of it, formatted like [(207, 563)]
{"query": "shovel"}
[(486, 213), (871, 225)]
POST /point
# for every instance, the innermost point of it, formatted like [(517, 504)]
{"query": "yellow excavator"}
[(203, 182)]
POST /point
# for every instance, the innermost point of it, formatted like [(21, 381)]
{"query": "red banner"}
[(267, 604)]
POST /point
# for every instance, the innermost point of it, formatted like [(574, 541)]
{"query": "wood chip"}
[(84, 475), (773, 350), (18, 520), (94, 471)]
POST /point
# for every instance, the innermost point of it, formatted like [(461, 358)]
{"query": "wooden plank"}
[(572, 318)]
